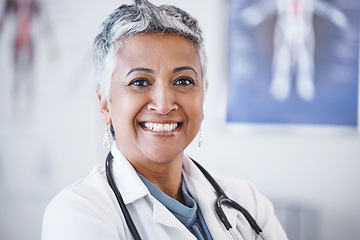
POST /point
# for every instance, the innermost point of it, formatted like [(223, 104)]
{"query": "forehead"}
[(152, 49)]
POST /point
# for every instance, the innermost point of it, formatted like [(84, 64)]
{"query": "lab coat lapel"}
[(163, 216), (132, 189), (205, 196), (126, 178)]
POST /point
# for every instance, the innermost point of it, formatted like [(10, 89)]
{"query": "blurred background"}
[(52, 133)]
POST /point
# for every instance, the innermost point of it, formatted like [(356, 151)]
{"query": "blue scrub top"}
[(189, 214)]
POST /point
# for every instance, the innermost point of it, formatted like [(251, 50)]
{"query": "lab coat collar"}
[(132, 188), (205, 196), (126, 178)]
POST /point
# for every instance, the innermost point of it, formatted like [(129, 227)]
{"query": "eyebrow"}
[(140, 69), (179, 69)]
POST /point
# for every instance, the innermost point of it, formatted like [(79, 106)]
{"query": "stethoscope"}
[(222, 198)]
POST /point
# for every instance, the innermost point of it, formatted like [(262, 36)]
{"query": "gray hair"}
[(141, 17)]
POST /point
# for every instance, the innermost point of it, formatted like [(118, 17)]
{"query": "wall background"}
[(54, 138)]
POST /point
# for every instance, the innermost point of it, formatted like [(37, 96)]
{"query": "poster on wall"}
[(294, 62)]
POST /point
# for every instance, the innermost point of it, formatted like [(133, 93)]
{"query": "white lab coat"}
[(88, 209)]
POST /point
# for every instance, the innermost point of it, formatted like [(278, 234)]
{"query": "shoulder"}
[(247, 195), (87, 189), (84, 210), (237, 188), (241, 190), (235, 185)]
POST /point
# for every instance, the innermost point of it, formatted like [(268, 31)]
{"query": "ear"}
[(104, 108)]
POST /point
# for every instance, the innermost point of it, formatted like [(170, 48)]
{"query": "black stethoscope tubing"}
[(222, 198), (128, 219)]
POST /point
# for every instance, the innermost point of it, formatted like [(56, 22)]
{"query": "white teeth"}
[(158, 127)]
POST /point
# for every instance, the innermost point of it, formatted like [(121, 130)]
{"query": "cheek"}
[(195, 110), (124, 111)]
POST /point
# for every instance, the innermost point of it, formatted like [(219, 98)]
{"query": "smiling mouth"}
[(159, 127)]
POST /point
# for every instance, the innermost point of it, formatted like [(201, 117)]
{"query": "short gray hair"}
[(141, 17)]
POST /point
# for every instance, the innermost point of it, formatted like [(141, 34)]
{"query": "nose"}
[(162, 100)]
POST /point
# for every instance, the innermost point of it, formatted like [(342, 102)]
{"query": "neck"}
[(165, 175)]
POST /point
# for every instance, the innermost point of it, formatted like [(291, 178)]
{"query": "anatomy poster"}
[(294, 61)]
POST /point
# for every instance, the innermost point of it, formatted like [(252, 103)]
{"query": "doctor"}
[(151, 70)]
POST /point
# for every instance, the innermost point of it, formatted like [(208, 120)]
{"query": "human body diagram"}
[(294, 42), (26, 17), (24, 12)]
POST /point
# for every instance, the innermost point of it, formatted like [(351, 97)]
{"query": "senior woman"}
[(151, 70)]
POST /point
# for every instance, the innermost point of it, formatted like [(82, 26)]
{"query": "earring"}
[(107, 143), (200, 138)]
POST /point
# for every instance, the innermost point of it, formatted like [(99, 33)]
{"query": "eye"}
[(140, 82), (184, 81)]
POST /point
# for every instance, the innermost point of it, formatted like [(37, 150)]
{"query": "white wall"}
[(310, 171)]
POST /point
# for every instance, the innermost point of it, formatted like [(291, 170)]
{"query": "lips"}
[(160, 127)]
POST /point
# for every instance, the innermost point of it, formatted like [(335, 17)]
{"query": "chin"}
[(164, 155)]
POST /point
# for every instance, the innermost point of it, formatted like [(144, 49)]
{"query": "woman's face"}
[(157, 97)]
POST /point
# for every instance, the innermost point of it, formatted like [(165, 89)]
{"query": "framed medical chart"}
[(294, 61)]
